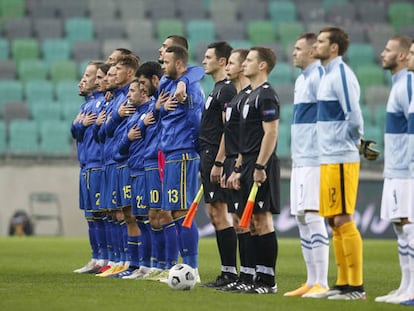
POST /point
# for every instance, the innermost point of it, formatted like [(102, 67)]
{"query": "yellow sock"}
[(342, 277), (352, 246)]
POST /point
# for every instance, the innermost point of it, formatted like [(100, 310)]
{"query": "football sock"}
[(124, 240), (171, 246), (101, 237), (409, 231), (189, 243), (403, 257), (108, 234), (352, 247), (227, 245), (144, 244), (133, 251), (320, 247), (249, 267), (266, 258), (158, 246), (92, 238), (342, 275), (306, 247), (116, 239)]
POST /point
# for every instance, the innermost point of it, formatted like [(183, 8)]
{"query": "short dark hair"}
[(179, 40), (338, 36), (309, 37), (180, 53), (242, 54), (221, 49), (131, 61), (266, 55), (124, 51), (104, 67), (148, 69), (95, 63)]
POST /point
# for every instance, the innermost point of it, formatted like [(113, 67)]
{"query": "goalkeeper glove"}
[(366, 149)]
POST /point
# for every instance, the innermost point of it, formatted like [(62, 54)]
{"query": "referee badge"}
[(208, 102), (228, 113), (245, 110)]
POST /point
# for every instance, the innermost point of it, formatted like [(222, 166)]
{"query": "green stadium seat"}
[(55, 49), (32, 69), (67, 91), (281, 74), (38, 91), (207, 83), (10, 90), (283, 141), (45, 111), (360, 54), (69, 110), (328, 3), (167, 27), (261, 32), (376, 133), (24, 49), (23, 138), (4, 49), (200, 30), (380, 115), (79, 29), (240, 44), (3, 138), (11, 9), (63, 70), (286, 113), (401, 14), (282, 11), (55, 138), (288, 32), (369, 75)]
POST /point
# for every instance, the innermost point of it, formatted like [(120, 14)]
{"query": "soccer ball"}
[(181, 277)]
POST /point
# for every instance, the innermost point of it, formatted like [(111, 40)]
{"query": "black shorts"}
[(212, 191), (268, 195), (232, 196)]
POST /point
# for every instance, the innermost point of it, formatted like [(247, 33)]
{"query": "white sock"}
[(409, 231), (320, 247), (305, 243), (403, 257)]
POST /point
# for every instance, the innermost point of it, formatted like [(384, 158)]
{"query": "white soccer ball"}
[(181, 277)]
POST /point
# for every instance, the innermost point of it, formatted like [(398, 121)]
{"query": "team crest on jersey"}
[(142, 116), (245, 110), (228, 114), (208, 102), (98, 103)]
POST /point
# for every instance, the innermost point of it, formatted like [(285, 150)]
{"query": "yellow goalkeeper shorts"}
[(338, 189)]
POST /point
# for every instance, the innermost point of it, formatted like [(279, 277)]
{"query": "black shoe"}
[(260, 288), (221, 280), (236, 286)]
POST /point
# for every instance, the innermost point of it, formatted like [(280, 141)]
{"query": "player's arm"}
[(217, 169)]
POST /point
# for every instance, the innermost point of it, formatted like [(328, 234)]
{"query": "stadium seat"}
[(55, 138), (38, 91), (3, 138), (10, 90), (158, 9), (69, 110), (369, 75), (41, 8), (15, 111), (285, 93), (132, 9), (261, 32), (282, 11), (86, 50), (286, 113), (109, 45), (8, 70), (18, 28), (223, 10), (4, 49), (109, 29), (281, 75), (200, 30), (400, 14), (56, 49), (283, 141), (72, 8), (62, 70), (48, 28), (45, 111), (23, 138), (252, 10), (32, 69), (228, 31), (326, 4), (288, 32), (102, 11), (79, 29), (67, 91), (24, 49), (190, 9), (143, 35), (11, 9), (372, 12), (380, 116), (311, 11), (167, 27), (376, 95), (240, 44), (360, 54), (341, 13)]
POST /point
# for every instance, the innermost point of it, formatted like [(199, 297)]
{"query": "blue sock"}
[(101, 237), (108, 235), (133, 251), (123, 238), (159, 245), (92, 238), (154, 248), (115, 240), (171, 244), (189, 243), (145, 245)]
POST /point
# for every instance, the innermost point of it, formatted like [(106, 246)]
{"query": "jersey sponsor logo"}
[(208, 102), (228, 114), (245, 110)]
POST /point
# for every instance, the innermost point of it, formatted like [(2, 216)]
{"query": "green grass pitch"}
[(36, 274)]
